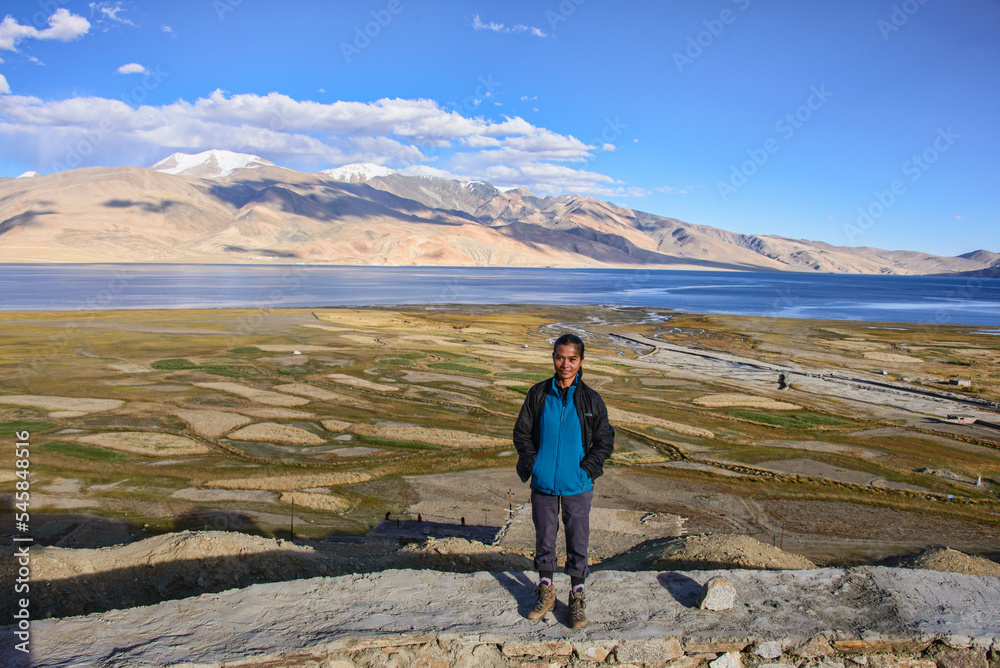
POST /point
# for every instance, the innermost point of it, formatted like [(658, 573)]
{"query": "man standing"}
[(562, 436)]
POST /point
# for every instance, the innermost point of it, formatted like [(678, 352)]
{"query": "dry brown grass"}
[(328, 502), (271, 431), (638, 457), (626, 417), (447, 437), (50, 403), (146, 443), (892, 357), (362, 383), (744, 401), (290, 481), (311, 391), (211, 423), (252, 393)]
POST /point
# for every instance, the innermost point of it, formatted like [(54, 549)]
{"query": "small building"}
[(962, 419), (961, 382)]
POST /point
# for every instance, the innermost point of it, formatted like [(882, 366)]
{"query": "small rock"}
[(958, 641), (718, 594), (594, 653), (727, 660), (649, 651), (770, 649), (817, 646)]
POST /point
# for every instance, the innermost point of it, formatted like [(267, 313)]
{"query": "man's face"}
[(567, 361)]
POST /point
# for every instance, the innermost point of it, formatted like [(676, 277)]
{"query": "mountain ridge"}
[(220, 206)]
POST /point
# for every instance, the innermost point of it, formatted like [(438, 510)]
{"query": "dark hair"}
[(568, 340)]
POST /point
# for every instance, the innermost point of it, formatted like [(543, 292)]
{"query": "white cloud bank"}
[(64, 26), (411, 135)]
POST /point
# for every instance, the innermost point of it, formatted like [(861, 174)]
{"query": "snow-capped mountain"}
[(358, 172), (213, 164), (28, 175), (241, 208)]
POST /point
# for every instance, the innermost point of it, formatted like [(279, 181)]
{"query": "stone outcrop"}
[(870, 616)]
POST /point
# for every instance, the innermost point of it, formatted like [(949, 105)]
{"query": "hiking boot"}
[(577, 603), (546, 601)]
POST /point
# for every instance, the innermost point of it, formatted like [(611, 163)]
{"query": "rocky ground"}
[(868, 616), (174, 566)]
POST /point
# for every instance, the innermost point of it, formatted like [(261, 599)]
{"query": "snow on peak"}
[(358, 172), (213, 164), (28, 175)]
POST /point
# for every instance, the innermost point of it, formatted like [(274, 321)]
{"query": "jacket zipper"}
[(562, 414)]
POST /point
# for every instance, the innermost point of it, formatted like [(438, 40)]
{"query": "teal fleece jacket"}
[(557, 469), (597, 436)]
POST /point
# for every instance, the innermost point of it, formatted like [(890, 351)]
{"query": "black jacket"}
[(598, 435)]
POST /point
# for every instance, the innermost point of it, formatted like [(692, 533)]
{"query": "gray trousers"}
[(576, 520)]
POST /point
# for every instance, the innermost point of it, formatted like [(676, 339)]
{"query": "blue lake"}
[(923, 299)]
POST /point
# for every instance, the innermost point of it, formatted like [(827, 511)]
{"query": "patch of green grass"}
[(410, 356), (180, 364), (520, 389), (30, 426), (395, 361), (461, 359), (176, 364), (245, 350), (82, 451), (517, 375), (224, 370), (822, 420), (451, 366), (790, 420)]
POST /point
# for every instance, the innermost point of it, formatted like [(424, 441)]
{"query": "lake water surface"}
[(923, 299)]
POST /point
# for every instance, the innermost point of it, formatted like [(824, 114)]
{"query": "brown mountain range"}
[(226, 209)]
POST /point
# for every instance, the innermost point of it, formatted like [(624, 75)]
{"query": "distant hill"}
[(225, 207)]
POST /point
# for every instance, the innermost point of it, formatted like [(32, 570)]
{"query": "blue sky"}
[(858, 122)]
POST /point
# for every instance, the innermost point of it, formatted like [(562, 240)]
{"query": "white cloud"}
[(675, 190), (63, 26), (493, 26), (406, 134), (169, 31), (4, 86), (132, 68), (478, 24), (110, 11)]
